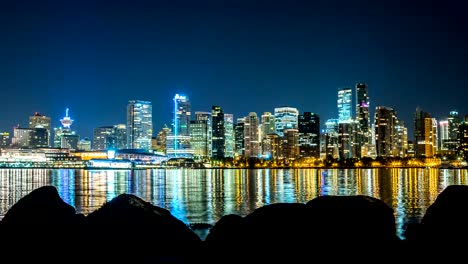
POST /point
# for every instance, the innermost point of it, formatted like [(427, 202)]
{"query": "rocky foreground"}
[(42, 228)]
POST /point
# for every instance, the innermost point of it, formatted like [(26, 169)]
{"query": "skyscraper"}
[(21, 137), (309, 135), (161, 139), (120, 136), (239, 137), (139, 124), (41, 121), (452, 142), (363, 132), (103, 138), (217, 133), (39, 138), (285, 118), (181, 115), (331, 138), (251, 144), (385, 131), (463, 138), (290, 146), (425, 134), (444, 134), (229, 141), (200, 130), (268, 124), (345, 96)]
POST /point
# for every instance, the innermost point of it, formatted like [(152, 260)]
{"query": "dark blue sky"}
[(94, 56)]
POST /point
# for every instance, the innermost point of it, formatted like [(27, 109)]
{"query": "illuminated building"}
[(120, 136), (41, 121), (217, 133), (64, 137), (178, 142), (309, 135), (345, 131), (271, 146), (444, 135), (239, 137), (84, 144), (425, 134), (139, 124), (268, 124), (363, 133), (290, 144), (21, 137), (200, 130), (344, 104), (39, 138), (229, 143), (161, 139), (251, 144), (385, 128), (103, 138), (453, 124), (463, 138), (285, 118), (331, 138), (401, 139), (4, 139)]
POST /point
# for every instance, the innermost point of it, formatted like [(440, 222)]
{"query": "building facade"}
[(41, 121), (285, 118), (229, 140), (217, 133), (251, 143), (239, 137), (344, 104), (309, 135), (139, 124)]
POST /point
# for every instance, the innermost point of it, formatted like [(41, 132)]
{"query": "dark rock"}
[(39, 221), (140, 232), (444, 222), (227, 229)]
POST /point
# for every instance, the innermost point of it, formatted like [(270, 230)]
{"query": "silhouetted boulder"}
[(444, 222), (227, 229), (350, 219), (39, 221), (140, 232)]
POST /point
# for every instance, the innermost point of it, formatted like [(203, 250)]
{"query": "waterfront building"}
[(425, 134), (139, 124), (4, 139), (39, 138), (463, 138), (239, 137), (363, 133), (267, 124), (454, 122), (309, 135), (161, 139), (120, 136), (229, 141), (444, 135), (251, 143), (21, 137), (401, 139), (41, 121), (345, 131), (345, 96), (217, 133), (385, 131), (331, 138), (103, 138), (290, 146), (285, 118), (84, 144), (70, 141), (271, 146), (200, 130)]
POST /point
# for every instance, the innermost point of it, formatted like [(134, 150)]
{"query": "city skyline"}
[(94, 59)]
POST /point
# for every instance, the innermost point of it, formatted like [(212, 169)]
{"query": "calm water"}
[(204, 196)]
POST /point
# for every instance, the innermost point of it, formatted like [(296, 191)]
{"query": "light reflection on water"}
[(204, 196)]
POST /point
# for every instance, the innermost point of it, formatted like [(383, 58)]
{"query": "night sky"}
[(94, 56)]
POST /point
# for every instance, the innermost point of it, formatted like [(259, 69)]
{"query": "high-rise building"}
[(345, 96), (268, 124), (70, 141), (181, 115), (217, 133), (251, 144), (103, 138), (425, 134), (463, 138), (385, 131), (239, 137), (200, 130), (4, 139), (363, 133), (285, 118), (331, 138), (229, 140), (345, 147), (161, 139), (453, 125), (139, 124), (401, 133), (309, 135), (21, 137), (444, 135), (271, 146), (84, 144), (290, 144), (59, 132), (41, 121), (120, 136), (39, 137)]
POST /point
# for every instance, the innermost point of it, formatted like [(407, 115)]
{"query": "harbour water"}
[(204, 196)]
